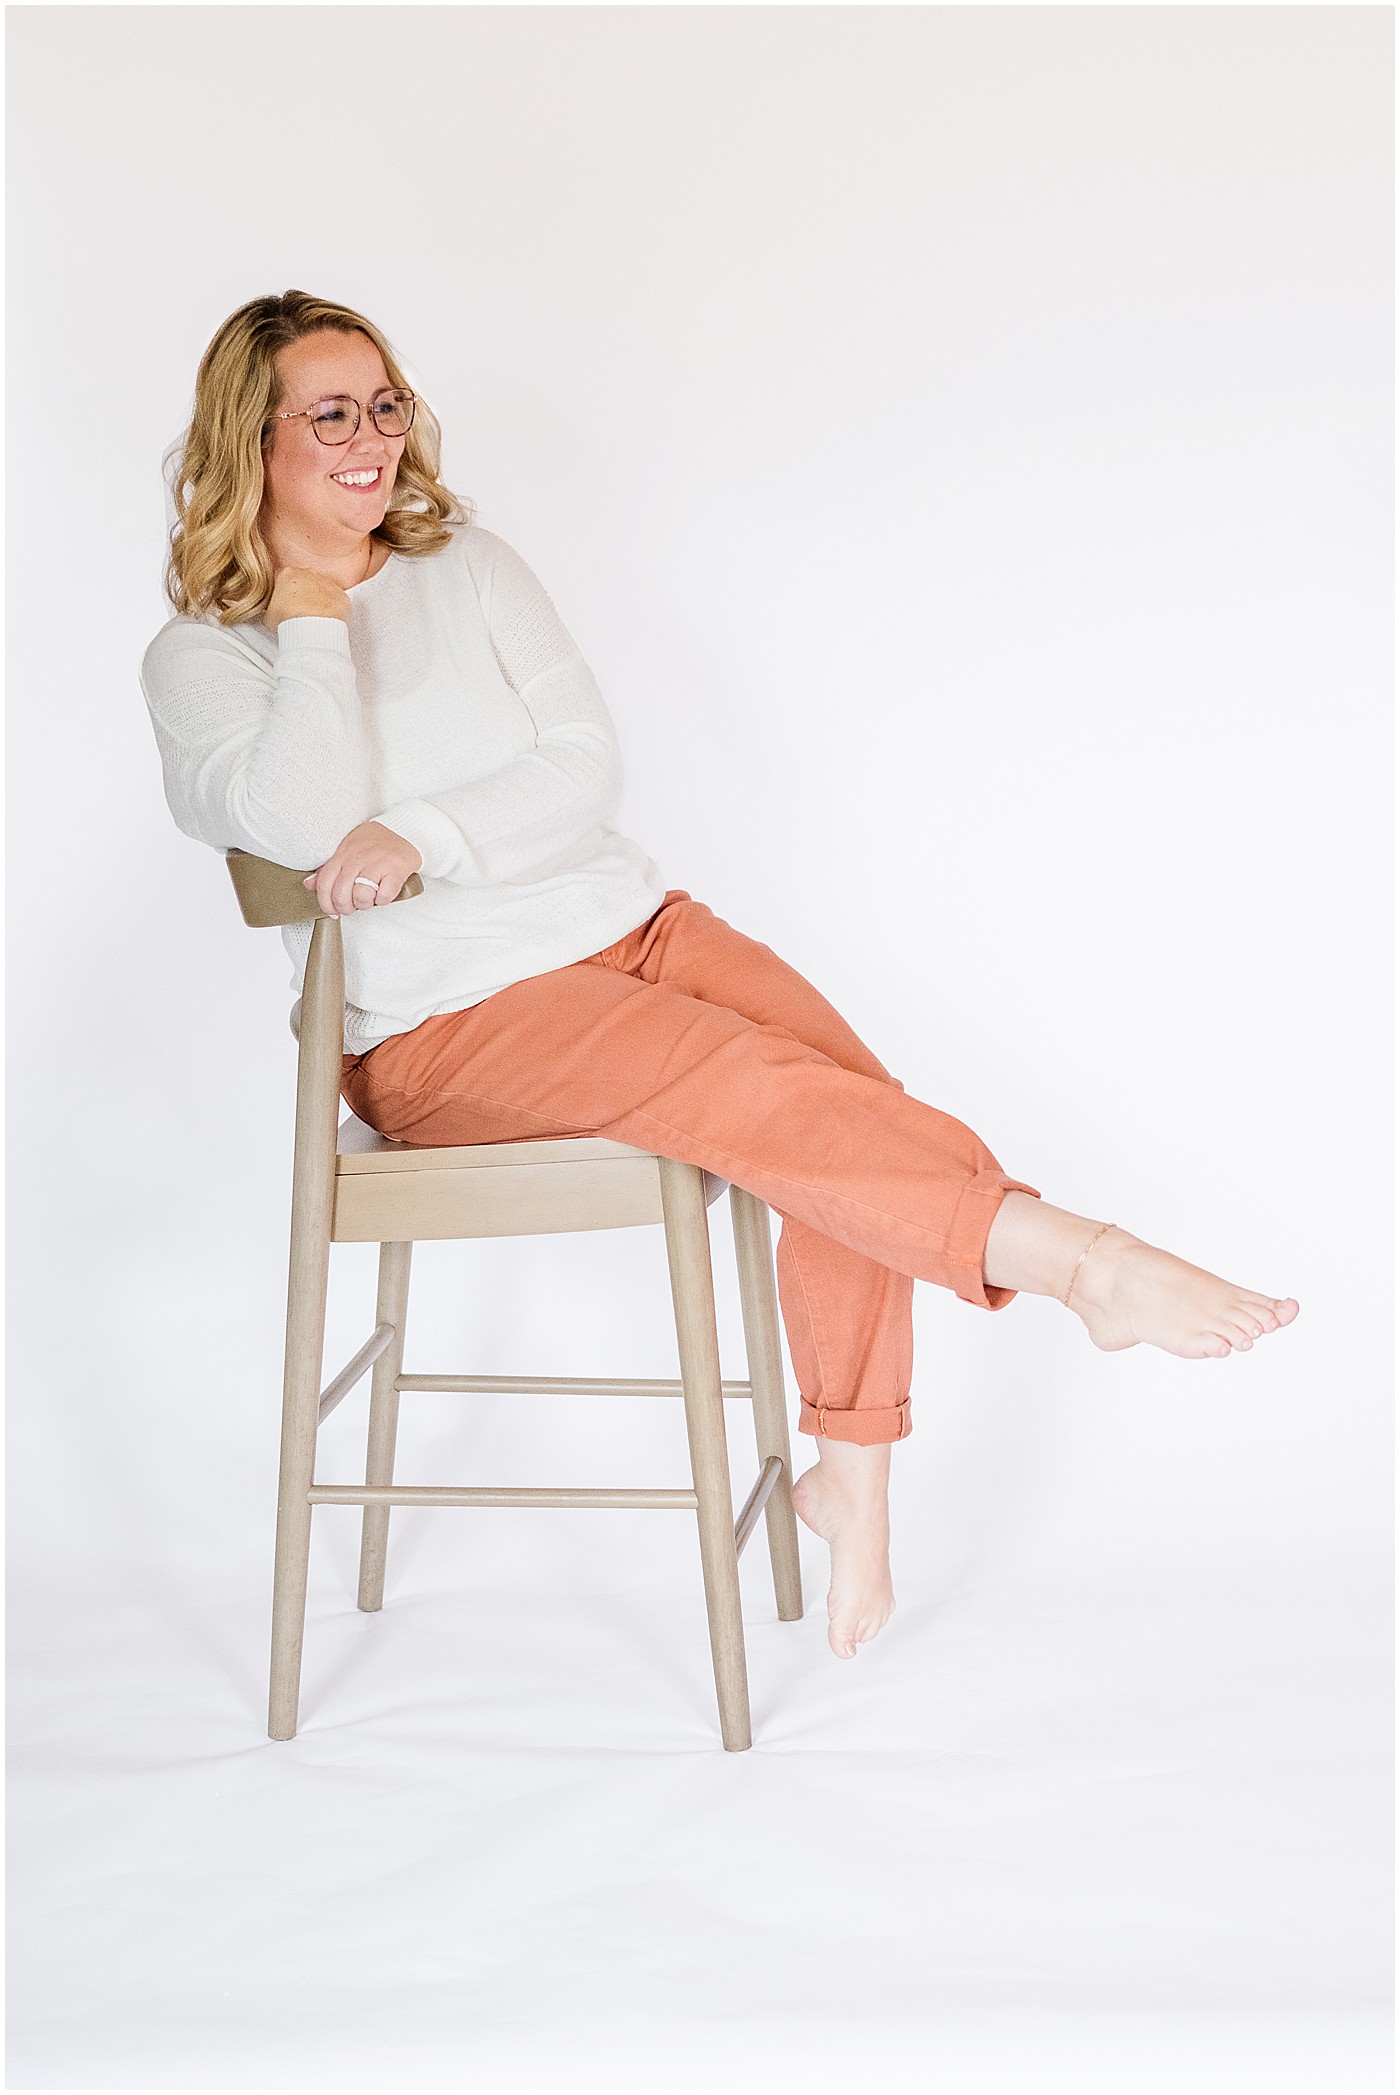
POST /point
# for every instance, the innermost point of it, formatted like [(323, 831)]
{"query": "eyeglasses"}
[(336, 419)]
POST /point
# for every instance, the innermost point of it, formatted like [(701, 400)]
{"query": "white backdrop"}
[(959, 439)]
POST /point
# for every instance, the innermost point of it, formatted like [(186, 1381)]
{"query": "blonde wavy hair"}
[(218, 560)]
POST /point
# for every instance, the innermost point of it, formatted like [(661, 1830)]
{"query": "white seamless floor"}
[(1080, 1837)]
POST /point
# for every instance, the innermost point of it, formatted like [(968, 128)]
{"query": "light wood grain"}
[(313, 1188), (354, 1370), (758, 1296), (564, 1385), (764, 1483), (392, 1309), (692, 1294), (497, 1495)]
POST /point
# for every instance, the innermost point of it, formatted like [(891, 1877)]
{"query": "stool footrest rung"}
[(756, 1501), (378, 1341), (492, 1495), (561, 1385)]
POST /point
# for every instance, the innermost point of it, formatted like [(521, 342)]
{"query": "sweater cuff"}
[(434, 834), (297, 635)]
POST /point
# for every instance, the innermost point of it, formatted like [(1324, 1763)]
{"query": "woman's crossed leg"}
[(689, 1038)]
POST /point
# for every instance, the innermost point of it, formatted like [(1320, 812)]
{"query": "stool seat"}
[(355, 1138), (402, 1191)]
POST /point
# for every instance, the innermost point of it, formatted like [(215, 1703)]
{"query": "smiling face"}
[(306, 510)]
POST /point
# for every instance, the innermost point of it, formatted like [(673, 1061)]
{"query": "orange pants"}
[(692, 1040)]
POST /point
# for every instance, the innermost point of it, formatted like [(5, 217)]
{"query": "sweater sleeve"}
[(524, 821), (278, 765)]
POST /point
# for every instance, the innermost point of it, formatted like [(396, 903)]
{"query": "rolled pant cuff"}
[(967, 1237), (867, 1428)]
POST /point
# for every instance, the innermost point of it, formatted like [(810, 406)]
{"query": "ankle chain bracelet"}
[(1080, 1260)]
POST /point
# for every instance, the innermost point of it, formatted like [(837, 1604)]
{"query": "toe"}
[(870, 1625), (841, 1637)]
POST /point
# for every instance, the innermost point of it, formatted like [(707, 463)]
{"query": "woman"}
[(361, 680)]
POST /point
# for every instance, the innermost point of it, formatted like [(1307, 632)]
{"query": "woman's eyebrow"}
[(328, 393)]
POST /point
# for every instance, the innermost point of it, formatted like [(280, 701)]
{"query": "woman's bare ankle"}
[(1033, 1247), (856, 1470)]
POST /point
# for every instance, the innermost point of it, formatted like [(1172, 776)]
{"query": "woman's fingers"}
[(340, 891), (330, 888)]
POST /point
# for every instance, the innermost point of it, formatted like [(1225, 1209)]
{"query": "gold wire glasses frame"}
[(402, 402)]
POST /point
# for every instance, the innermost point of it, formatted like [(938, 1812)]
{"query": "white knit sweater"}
[(456, 710)]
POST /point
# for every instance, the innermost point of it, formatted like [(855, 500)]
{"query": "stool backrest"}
[(269, 894)]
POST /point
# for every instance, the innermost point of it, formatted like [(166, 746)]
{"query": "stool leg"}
[(319, 1048), (758, 1296), (392, 1308), (301, 1399), (692, 1293)]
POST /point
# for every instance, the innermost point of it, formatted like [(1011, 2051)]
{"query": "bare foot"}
[(1129, 1293), (844, 1499)]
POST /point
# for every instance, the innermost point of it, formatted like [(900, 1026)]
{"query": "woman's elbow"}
[(301, 837)]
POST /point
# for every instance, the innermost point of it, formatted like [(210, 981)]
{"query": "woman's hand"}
[(380, 853), (299, 592)]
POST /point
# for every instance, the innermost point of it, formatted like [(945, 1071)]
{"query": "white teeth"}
[(356, 479)]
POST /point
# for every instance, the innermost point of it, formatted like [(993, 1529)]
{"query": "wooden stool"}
[(351, 1185)]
